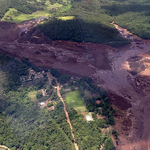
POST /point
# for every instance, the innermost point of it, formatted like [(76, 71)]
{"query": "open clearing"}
[(32, 95), (74, 100)]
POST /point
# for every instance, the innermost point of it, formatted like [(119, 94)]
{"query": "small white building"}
[(42, 103), (89, 117)]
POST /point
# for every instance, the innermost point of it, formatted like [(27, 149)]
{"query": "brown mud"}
[(124, 72)]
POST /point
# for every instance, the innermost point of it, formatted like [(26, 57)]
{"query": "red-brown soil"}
[(109, 67), (8, 31)]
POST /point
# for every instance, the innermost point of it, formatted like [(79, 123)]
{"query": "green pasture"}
[(32, 95), (13, 15), (74, 100)]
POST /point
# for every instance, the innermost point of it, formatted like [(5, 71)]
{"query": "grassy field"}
[(66, 18), (32, 95), (74, 100), (13, 15)]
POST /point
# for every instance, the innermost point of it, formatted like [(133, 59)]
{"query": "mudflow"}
[(124, 72)]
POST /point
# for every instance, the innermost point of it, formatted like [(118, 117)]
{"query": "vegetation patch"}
[(19, 11), (74, 100), (32, 95), (13, 15), (66, 18), (80, 109), (79, 30)]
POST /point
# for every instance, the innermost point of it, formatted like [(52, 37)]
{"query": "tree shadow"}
[(78, 30)]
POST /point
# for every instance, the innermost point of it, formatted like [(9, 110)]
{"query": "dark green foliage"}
[(26, 7), (7, 135), (55, 73), (49, 104), (88, 80), (72, 88), (53, 82), (35, 127), (131, 14), (40, 84), (78, 30), (109, 145), (111, 120), (49, 89), (55, 97), (88, 135), (4, 6), (60, 118), (64, 79), (43, 98), (14, 69), (53, 1), (39, 95), (115, 134)]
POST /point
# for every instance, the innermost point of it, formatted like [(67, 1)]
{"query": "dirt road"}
[(66, 113), (4, 147)]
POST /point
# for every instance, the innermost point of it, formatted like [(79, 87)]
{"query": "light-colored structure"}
[(89, 117)]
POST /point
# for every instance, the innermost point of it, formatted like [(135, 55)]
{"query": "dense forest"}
[(130, 14), (23, 124)]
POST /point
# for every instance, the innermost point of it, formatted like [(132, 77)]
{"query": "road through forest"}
[(66, 113)]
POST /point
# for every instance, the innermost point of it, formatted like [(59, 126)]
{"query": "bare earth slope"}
[(124, 72)]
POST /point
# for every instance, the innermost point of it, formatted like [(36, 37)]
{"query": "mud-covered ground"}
[(124, 72)]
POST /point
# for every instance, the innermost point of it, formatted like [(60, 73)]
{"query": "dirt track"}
[(65, 110), (123, 71), (2, 146)]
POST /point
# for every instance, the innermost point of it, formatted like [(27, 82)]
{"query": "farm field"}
[(74, 100), (32, 95)]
